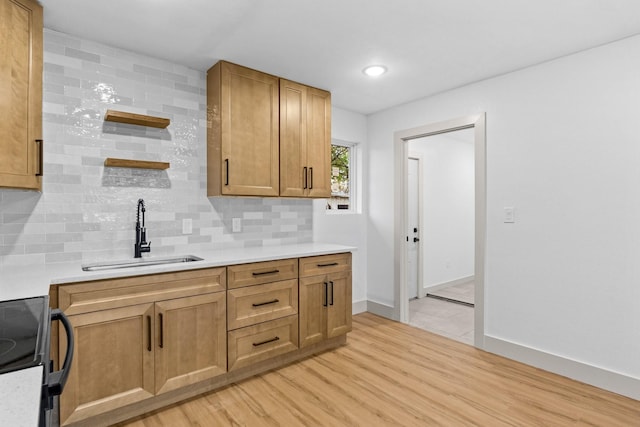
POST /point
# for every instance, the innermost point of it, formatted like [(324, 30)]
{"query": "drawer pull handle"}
[(265, 303), (331, 264), (274, 339), (266, 272)]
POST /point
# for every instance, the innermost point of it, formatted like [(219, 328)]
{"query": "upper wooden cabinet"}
[(266, 136), (21, 94), (242, 132), (305, 141)]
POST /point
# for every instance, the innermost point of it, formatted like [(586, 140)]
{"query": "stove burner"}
[(6, 345)]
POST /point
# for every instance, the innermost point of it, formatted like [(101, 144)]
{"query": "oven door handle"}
[(58, 379)]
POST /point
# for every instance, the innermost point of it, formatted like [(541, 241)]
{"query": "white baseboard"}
[(455, 282), (380, 309), (598, 377), (359, 307)]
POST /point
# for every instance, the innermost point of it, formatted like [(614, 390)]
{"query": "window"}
[(342, 177)]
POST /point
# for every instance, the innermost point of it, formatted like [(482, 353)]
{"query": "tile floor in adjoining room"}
[(445, 318)]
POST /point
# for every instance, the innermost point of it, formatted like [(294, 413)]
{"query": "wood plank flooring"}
[(391, 374)]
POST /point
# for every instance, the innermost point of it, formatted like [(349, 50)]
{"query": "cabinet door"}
[(312, 309), (21, 93), (249, 132), (339, 306), (112, 364), (190, 340), (294, 171), (305, 141), (318, 133)]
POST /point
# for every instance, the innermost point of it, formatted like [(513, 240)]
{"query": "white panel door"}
[(413, 231)]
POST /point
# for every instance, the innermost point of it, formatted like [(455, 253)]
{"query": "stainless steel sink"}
[(139, 262)]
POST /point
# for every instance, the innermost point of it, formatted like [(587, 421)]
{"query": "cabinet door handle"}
[(161, 344), (149, 333), (331, 264), (331, 303), (265, 272), (40, 143), (226, 171), (311, 178), (304, 172), (259, 304), (256, 344), (324, 301)]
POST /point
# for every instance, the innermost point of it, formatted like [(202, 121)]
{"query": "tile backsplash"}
[(86, 211)]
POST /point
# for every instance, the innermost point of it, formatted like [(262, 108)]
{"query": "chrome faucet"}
[(141, 233)]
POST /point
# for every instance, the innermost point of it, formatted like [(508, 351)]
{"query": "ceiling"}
[(429, 46)]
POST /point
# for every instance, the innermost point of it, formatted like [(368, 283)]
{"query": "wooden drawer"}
[(254, 344), (254, 304), (323, 264), (97, 295), (261, 272)]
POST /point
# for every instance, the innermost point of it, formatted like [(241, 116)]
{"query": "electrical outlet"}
[(187, 226), (237, 225)]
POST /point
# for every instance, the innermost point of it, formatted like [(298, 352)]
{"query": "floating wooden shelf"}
[(142, 164), (136, 119)]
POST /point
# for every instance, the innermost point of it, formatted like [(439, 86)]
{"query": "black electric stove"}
[(24, 333), (25, 338)]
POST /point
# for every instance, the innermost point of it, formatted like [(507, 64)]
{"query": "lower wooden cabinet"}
[(144, 342), (325, 299), (262, 316), (131, 353)]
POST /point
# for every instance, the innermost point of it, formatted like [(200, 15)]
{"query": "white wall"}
[(347, 228), (563, 148), (448, 205)]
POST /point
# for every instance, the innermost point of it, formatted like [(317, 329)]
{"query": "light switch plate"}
[(509, 215)]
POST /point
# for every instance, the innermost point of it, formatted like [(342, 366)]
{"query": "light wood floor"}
[(390, 374)]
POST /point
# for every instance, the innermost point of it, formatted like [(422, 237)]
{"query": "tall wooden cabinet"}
[(21, 94), (242, 132), (305, 141), (266, 136)]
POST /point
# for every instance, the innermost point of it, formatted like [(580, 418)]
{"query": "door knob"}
[(415, 239)]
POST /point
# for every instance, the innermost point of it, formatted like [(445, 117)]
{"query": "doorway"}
[(476, 125), (446, 240)]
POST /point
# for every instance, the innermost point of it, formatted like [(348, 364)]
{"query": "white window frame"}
[(353, 178)]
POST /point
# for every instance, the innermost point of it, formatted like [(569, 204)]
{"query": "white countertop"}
[(20, 391), (31, 281)]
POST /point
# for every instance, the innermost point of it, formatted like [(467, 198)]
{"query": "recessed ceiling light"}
[(375, 70)]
